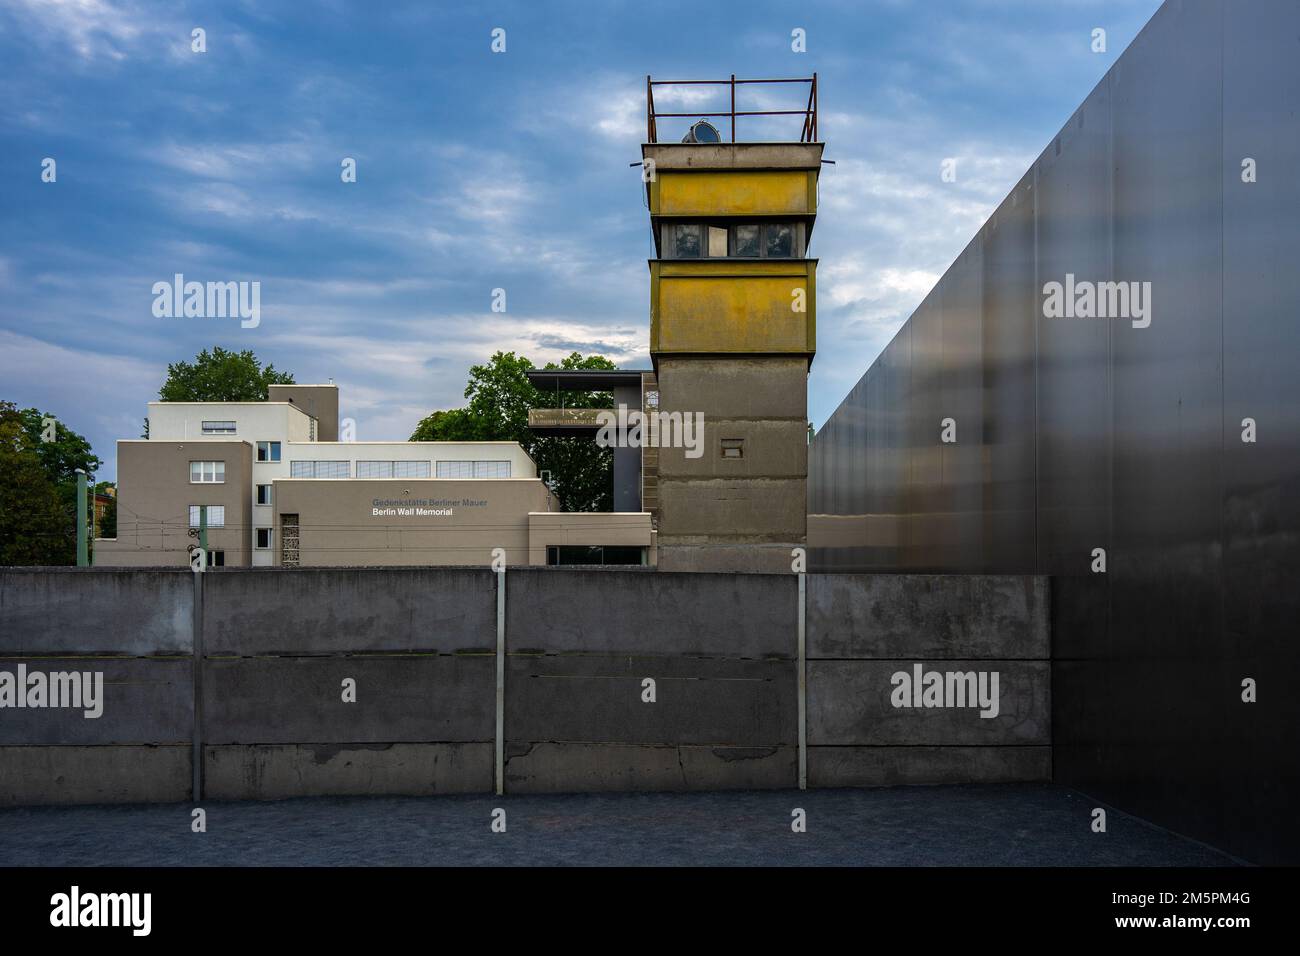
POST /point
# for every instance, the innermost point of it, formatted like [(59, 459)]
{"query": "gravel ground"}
[(1011, 825)]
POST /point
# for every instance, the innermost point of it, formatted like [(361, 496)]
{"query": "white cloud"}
[(98, 28)]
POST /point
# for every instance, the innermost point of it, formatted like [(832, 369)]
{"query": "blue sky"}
[(475, 171)]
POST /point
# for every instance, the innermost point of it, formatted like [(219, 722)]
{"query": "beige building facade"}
[(268, 484)]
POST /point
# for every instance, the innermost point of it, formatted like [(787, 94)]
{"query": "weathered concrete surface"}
[(720, 647), (336, 610), (906, 766), (891, 616), (66, 775), (637, 612), (758, 557), (849, 703), (146, 701), (771, 508), (583, 767), (723, 388), (772, 449), (96, 611), (299, 699), (598, 699), (278, 771)]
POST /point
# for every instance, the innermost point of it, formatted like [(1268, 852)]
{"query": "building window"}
[(218, 428), (393, 469), (745, 241), (320, 469), (733, 448), (263, 540), (216, 559), (751, 240), (778, 240), (268, 451), (207, 472), (216, 516), (686, 243), (473, 469), (413, 469), (264, 494), (594, 554)]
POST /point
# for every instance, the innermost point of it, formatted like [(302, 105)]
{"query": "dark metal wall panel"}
[(1009, 304), (1134, 433), (1071, 199), (1261, 343), (893, 416), (959, 522), (1164, 561), (923, 498)]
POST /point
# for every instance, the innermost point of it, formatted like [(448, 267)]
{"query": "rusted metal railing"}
[(808, 133)]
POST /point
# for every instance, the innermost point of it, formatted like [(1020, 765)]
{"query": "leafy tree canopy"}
[(63, 454), (39, 488), (499, 397), (221, 376)]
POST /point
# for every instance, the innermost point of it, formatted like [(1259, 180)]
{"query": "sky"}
[(475, 170)]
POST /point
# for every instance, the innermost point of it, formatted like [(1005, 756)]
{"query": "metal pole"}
[(501, 684), (733, 107), (803, 682), (196, 677), (203, 531), (83, 557)]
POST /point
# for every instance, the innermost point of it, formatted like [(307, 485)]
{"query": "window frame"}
[(297, 464), (474, 469), (194, 516), (273, 452), (703, 229), (270, 538), (231, 430), (270, 495), (218, 472)]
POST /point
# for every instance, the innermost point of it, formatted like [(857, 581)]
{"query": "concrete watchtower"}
[(732, 331)]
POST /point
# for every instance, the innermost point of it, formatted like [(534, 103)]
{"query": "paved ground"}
[(934, 826)]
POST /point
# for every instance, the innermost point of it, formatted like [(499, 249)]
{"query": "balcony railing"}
[(563, 417), (808, 134)]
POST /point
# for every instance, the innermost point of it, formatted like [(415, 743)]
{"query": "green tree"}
[(62, 454), (221, 376), (107, 527), (61, 451), (34, 523), (455, 424), (500, 396)]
